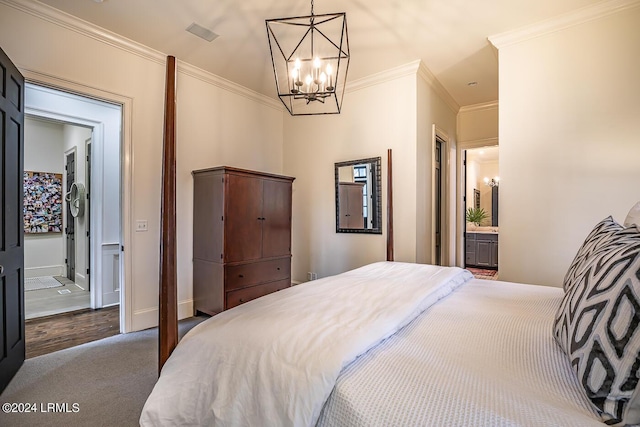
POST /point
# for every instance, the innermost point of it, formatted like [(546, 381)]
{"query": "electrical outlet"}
[(312, 276), (141, 225)]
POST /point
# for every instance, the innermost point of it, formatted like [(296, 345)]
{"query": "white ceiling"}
[(449, 36)]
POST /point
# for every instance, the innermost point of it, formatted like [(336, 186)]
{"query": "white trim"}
[(477, 143), (558, 23), (430, 78), (73, 23), (491, 105), (409, 69), (228, 85), (148, 318)]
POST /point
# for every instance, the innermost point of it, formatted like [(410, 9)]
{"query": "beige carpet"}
[(108, 381)]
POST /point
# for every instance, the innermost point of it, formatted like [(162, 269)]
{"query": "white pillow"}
[(633, 217)]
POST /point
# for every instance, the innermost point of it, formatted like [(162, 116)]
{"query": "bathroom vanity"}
[(482, 249)]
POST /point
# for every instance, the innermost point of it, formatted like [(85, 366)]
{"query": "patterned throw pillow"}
[(595, 239), (633, 217), (598, 327)]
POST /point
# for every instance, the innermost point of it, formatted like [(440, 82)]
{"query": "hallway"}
[(55, 300)]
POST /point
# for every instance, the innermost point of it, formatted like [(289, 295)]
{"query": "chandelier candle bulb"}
[(329, 71)]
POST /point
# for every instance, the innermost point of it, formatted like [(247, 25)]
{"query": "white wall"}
[(569, 119), (478, 122), (216, 125), (43, 148), (374, 118)]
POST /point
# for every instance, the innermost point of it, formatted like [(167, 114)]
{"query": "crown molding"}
[(561, 22), (228, 85), (413, 68), (425, 73), (87, 29), (383, 77), (491, 105)]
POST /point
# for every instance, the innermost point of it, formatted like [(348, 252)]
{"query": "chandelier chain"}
[(311, 7)]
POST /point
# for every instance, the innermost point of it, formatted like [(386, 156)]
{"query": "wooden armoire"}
[(241, 236)]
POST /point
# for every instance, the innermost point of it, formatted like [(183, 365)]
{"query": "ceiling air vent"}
[(202, 32)]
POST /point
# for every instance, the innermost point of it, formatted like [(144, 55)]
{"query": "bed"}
[(406, 344), (396, 344)]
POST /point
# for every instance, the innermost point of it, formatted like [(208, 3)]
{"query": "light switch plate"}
[(141, 225)]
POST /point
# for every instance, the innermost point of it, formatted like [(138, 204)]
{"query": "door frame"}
[(445, 211), (126, 175)]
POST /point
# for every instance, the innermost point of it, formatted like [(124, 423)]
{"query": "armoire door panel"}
[(276, 211), (243, 219)]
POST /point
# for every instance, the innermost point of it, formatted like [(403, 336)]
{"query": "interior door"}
[(12, 352), (71, 221)]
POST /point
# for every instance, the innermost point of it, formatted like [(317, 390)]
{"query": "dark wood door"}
[(70, 230), (438, 201), (243, 219), (276, 211), (11, 223)]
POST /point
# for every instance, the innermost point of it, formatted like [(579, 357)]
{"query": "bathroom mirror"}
[(358, 196)]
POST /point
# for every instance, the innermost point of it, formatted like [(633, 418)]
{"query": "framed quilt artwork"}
[(42, 202)]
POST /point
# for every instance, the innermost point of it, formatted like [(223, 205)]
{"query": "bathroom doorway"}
[(481, 207)]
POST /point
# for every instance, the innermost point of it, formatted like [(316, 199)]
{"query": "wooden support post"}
[(168, 324), (389, 207)]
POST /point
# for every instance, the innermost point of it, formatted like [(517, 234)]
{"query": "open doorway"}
[(56, 250), (482, 230), (72, 156)]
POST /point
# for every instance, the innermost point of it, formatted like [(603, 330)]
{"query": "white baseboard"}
[(148, 318), (47, 270)]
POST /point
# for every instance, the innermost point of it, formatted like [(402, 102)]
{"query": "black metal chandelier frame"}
[(317, 90)]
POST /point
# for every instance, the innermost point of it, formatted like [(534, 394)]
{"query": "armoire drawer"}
[(240, 296), (243, 275)]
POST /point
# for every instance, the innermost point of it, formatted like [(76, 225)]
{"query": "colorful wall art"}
[(42, 202)]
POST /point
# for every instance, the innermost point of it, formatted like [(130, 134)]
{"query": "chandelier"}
[(493, 182), (310, 59)]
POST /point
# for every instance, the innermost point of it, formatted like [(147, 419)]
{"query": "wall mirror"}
[(358, 196)]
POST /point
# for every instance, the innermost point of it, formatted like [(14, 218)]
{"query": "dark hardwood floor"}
[(52, 333)]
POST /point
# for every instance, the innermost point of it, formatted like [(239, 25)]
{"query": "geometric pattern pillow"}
[(596, 238), (633, 217), (598, 327)]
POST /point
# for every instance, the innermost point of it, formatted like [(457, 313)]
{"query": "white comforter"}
[(274, 361)]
